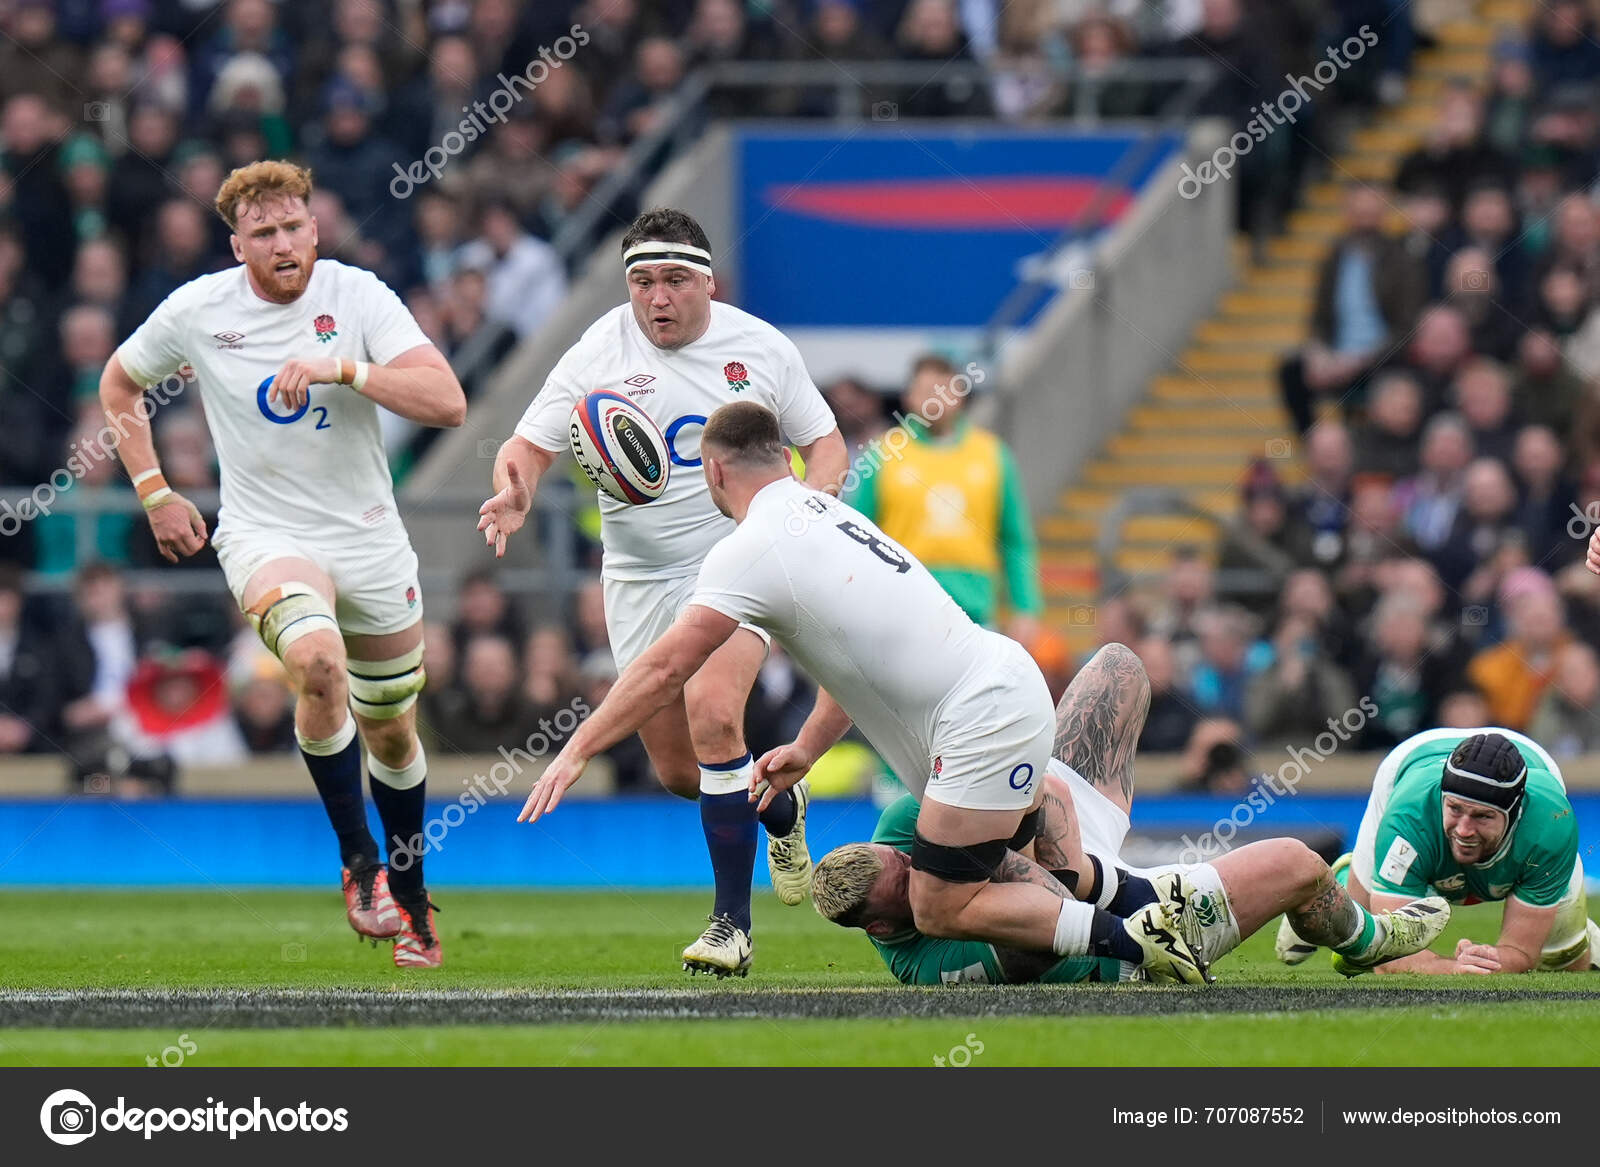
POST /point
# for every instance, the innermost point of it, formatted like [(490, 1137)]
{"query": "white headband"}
[(655, 252)]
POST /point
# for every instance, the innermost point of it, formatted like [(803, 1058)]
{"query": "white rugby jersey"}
[(321, 470), (739, 358), (858, 612)]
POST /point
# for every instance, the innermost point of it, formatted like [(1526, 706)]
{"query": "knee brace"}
[(287, 612), (386, 688)]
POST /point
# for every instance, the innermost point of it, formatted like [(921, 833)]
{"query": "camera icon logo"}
[(96, 111), (67, 1117), (1081, 279), (1475, 616), (294, 952), (1476, 280), (885, 111), (488, 449), (1279, 448)]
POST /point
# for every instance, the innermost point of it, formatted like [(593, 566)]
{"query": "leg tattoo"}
[(1101, 716)]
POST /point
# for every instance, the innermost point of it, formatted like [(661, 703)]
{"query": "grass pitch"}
[(276, 978)]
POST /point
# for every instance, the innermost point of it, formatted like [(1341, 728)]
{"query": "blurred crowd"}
[(1430, 562)]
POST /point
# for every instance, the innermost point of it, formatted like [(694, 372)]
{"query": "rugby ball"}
[(619, 447)]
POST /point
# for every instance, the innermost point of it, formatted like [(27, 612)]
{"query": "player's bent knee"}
[(317, 669), (715, 717), (289, 612), (383, 690)]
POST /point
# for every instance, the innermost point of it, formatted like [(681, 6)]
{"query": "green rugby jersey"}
[(916, 959), (1412, 855)]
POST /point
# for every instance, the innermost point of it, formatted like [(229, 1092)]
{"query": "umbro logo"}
[(639, 380), (229, 339)]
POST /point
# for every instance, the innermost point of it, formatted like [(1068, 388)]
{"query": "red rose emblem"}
[(323, 323), (734, 371)]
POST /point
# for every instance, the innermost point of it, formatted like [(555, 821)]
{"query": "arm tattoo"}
[(1101, 716), (1047, 848), (1016, 868), (1019, 965)]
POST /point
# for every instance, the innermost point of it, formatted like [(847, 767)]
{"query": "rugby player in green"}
[(1472, 815), (1088, 793)]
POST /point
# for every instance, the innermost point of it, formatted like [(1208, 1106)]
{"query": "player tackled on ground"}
[(678, 355), (1089, 794), (1472, 815), (962, 714), (294, 355)]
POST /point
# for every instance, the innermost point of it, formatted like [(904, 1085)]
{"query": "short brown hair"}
[(259, 181), (746, 432), (935, 363)]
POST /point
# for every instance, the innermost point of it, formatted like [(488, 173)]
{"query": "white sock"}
[(730, 779), (1072, 929)]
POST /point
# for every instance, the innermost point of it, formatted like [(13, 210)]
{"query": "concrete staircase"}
[(1203, 420)]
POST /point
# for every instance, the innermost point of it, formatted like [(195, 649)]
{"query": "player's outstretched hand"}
[(776, 771), (178, 527), (552, 784), (1478, 958), (1593, 561), (291, 385), (502, 516)]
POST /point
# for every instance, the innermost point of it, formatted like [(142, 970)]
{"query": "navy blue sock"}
[(401, 812), (338, 780), (1133, 893), (729, 822), (779, 817), (1107, 937)]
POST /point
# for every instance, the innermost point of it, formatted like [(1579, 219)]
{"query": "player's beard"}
[(287, 284)]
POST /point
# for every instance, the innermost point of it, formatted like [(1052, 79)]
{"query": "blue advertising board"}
[(893, 227)]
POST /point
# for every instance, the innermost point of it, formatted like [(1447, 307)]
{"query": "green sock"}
[(1363, 940)]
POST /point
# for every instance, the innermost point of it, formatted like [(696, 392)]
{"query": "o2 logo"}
[(671, 436), (1022, 776), (287, 418)]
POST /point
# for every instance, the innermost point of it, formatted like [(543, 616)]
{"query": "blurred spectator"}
[(263, 705), (779, 703), (552, 670), (1400, 673), (1567, 720), (181, 252), (1563, 48), (1187, 591), (1486, 520), (65, 538), (637, 104), (1172, 716), (1441, 344), (1483, 397), (1513, 675), (1319, 510), (526, 282), (954, 499), (248, 27), (1214, 761), (1257, 539), (29, 133), (30, 674), (1464, 709), (484, 609), (1222, 675), (1387, 441), (1049, 651), (1292, 699), (139, 183), (439, 234), (862, 413), (177, 712), (488, 709), (33, 59), (931, 31), (1369, 290), (513, 168), (352, 160), (1429, 502), (1545, 391), (1545, 498), (1454, 156), (1472, 287), (589, 619)]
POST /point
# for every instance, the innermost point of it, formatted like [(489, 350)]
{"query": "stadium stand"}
[(1359, 478)]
